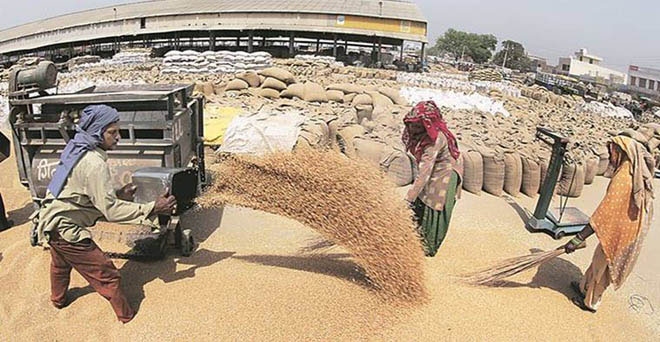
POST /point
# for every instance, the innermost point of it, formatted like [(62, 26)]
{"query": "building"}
[(540, 64), (644, 80), (588, 68), (248, 24)]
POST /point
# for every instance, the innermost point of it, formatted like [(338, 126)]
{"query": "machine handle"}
[(555, 136)]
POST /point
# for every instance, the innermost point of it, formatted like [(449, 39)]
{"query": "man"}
[(620, 222), (80, 194)]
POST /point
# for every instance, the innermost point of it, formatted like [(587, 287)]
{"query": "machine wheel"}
[(559, 235), (187, 242)]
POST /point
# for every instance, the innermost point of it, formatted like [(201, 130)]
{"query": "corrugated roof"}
[(390, 9)]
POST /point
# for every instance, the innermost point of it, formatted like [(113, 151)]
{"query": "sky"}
[(621, 32)]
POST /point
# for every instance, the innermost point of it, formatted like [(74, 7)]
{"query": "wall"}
[(642, 79), (579, 68)]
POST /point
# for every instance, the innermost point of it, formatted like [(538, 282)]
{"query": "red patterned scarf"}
[(428, 115)]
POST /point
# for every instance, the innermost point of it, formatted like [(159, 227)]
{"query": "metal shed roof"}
[(402, 10)]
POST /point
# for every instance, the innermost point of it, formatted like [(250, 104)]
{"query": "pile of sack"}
[(605, 109), (83, 62), (193, 62), (486, 75), (457, 82), (328, 60), (453, 100), (129, 57)]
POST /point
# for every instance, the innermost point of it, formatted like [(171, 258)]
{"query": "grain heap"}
[(83, 62), (348, 203), (486, 75)]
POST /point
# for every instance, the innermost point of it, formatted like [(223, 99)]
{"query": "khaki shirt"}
[(87, 197), (435, 171)]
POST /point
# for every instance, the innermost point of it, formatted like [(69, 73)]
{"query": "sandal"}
[(579, 302), (576, 287)]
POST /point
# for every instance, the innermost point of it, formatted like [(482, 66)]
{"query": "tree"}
[(479, 47), (515, 55)]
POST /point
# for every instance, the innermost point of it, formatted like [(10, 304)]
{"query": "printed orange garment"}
[(623, 218)]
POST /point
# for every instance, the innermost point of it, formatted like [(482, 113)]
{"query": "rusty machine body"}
[(161, 146)]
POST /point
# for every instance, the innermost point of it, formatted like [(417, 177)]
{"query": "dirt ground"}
[(247, 281)]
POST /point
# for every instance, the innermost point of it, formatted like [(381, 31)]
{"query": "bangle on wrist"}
[(577, 241)]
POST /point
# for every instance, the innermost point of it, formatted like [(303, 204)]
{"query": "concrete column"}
[(211, 41), (238, 42), (346, 47), (380, 49), (334, 46), (292, 41), (423, 52), (250, 41), (318, 45), (263, 42), (403, 43)]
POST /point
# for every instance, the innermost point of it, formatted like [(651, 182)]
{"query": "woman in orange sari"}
[(620, 222)]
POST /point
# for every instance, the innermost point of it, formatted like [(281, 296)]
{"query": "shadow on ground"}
[(335, 265), (136, 274), (555, 274), (203, 222)]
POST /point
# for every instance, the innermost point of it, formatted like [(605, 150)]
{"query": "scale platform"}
[(571, 222)]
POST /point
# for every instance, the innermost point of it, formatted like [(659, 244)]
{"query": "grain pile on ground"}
[(348, 203)]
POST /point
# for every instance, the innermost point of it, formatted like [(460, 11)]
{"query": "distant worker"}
[(620, 222), (80, 194), (433, 194)]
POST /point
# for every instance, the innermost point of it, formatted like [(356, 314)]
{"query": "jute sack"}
[(269, 93), (316, 133), (571, 181), (333, 126), (335, 96), (313, 92), (368, 125), (380, 100), (347, 88), (250, 77), (604, 159), (393, 95), (531, 176), (395, 163), (236, 84), (362, 99), (364, 112), (635, 135), (273, 83), (278, 73), (590, 169), (348, 98), (473, 170), (544, 163), (346, 136), (493, 171), (512, 173), (653, 144), (293, 90)]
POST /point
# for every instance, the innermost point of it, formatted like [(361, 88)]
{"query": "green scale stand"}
[(561, 221)]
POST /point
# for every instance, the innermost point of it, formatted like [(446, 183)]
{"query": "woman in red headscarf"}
[(433, 194)]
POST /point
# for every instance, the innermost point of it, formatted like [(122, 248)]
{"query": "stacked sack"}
[(486, 75), (83, 62), (131, 57), (193, 62)]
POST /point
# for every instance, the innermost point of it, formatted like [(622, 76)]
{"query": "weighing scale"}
[(563, 220)]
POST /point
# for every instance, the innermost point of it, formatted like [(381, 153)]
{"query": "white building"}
[(644, 80), (586, 66)]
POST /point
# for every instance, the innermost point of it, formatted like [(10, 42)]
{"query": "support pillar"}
[(263, 42), (403, 43), (238, 43), (334, 46), (292, 41), (211, 41), (318, 45), (250, 42), (380, 49), (346, 47), (423, 52)]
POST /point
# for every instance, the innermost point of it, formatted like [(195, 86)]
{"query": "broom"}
[(510, 267)]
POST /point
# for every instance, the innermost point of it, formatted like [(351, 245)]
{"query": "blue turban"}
[(89, 132)]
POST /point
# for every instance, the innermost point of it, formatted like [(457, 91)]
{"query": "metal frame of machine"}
[(559, 221), (161, 126)]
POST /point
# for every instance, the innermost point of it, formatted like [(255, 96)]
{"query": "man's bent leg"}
[(88, 259), (60, 275)]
